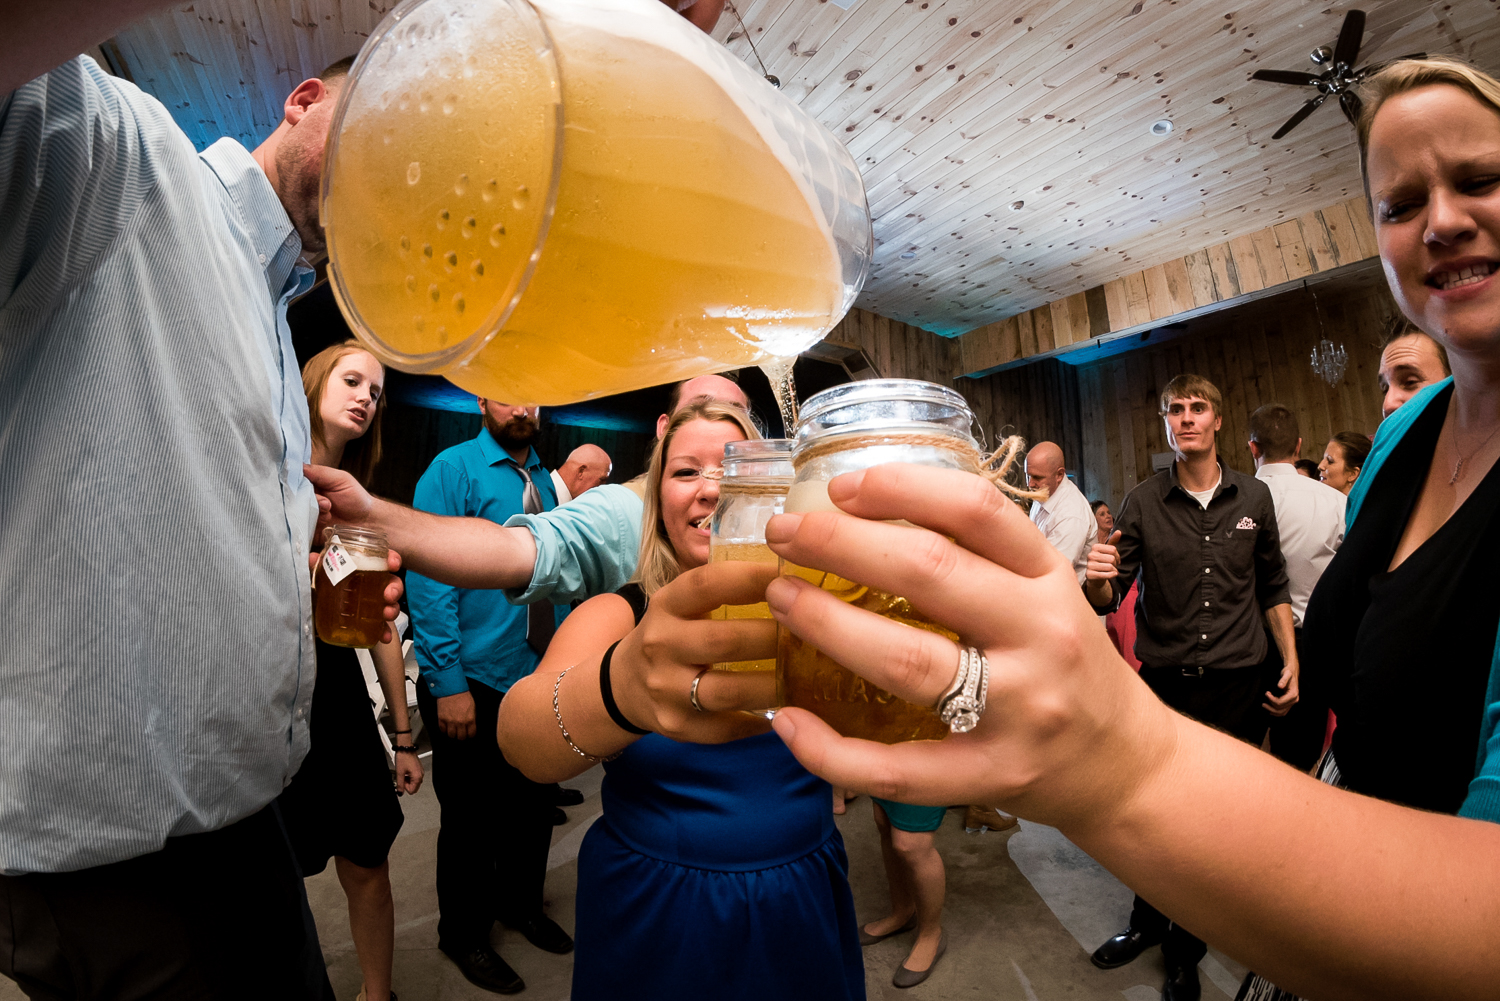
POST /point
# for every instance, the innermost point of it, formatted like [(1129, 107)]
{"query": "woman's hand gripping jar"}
[(843, 429)]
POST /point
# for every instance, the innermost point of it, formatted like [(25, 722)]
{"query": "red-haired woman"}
[(341, 805)]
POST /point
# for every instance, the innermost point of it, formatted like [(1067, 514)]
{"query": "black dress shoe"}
[(559, 818), (483, 967), (567, 797), (1123, 948), (544, 933), (1182, 984)]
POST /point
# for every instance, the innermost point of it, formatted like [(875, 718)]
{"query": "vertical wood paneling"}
[(1255, 357)]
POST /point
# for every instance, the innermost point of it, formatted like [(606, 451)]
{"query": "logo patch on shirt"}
[(1246, 523)]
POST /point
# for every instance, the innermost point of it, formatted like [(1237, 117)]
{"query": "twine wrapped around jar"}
[(995, 466)]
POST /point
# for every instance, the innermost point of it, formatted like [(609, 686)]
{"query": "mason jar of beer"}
[(757, 475), (843, 429), (349, 587)]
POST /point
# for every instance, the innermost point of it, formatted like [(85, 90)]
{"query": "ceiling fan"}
[(1338, 80)]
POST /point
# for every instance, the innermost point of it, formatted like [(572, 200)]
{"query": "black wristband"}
[(403, 749), (607, 693)]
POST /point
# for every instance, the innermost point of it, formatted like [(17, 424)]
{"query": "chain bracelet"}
[(557, 712)]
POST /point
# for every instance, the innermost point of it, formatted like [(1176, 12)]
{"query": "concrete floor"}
[(1024, 909)]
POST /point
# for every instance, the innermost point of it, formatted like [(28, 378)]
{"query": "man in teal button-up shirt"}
[(472, 646)]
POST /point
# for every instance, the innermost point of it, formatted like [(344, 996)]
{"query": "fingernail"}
[(784, 727), (845, 486), (782, 527), (780, 594)]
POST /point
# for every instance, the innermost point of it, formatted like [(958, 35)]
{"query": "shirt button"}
[(262, 258), (1207, 570), (1204, 636), (299, 713), (1205, 604)]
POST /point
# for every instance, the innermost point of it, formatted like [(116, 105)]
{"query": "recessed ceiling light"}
[(907, 256), (1017, 205), (1161, 128)]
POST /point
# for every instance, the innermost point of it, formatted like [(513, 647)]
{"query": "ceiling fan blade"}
[(1285, 76), (1296, 120), (1346, 50), (1351, 104)]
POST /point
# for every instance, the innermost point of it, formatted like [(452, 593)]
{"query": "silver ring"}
[(693, 692), (964, 701)]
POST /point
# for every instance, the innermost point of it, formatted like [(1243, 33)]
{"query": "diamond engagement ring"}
[(963, 703)]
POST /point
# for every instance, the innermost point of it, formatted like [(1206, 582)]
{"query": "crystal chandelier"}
[(1329, 361)]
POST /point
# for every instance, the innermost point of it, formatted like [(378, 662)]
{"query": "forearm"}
[(1279, 618), (1304, 882), (528, 732), (36, 37), (391, 670), (463, 552), (1100, 593)]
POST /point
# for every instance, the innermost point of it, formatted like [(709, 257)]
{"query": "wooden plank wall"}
[(1258, 356), (899, 350), (1039, 402), (1287, 252)]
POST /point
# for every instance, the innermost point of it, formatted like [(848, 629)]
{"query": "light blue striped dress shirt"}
[(157, 663)]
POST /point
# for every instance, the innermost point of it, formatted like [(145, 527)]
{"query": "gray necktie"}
[(541, 622)]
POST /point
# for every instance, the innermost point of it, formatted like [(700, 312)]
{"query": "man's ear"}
[(1299, 448), (308, 93), (1255, 452)]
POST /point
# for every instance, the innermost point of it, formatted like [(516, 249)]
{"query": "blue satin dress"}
[(715, 872)]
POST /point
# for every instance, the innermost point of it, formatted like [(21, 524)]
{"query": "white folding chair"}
[(377, 693)]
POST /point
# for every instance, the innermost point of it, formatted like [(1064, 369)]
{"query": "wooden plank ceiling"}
[(1007, 146)]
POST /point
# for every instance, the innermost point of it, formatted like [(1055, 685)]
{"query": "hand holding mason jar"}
[(354, 594)]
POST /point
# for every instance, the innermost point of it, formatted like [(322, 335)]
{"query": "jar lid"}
[(885, 406), (758, 458)]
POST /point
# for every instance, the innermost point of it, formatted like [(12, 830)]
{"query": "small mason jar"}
[(349, 587), (843, 429), (757, 475)]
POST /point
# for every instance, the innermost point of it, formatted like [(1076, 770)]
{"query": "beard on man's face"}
[(514, 433), (299, 167)]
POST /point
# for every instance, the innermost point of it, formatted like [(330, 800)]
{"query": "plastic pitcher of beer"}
[(550, 200)]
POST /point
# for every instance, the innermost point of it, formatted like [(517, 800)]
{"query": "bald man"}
[(575, 551), (1065, 517), (586, 468), (1409, 361)]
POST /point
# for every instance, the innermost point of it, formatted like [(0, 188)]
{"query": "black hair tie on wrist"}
[(607, 693)]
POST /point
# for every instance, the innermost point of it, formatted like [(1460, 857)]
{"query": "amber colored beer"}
[(681, 242), (351, 612), (810, 679), (744, 552)]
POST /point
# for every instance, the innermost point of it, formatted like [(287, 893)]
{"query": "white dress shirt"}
[(1310, 518), (563, 493), (1067, 522)]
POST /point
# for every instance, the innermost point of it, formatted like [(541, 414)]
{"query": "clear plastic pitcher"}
[(549, 200)]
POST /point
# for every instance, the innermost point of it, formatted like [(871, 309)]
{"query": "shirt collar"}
[(563, 493), (494, 455), (1225, 483), (274, 238), (1276, 469)]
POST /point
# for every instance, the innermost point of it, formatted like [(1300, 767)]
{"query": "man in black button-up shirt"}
[(1202, 540)]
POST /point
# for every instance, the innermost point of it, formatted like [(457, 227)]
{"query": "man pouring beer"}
[(157, 676)]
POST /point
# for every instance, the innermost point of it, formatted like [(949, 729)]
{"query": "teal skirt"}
[(905, 817)]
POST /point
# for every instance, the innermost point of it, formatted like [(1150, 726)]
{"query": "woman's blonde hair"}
[(361, 455), (658, 564), (1409, 74)]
